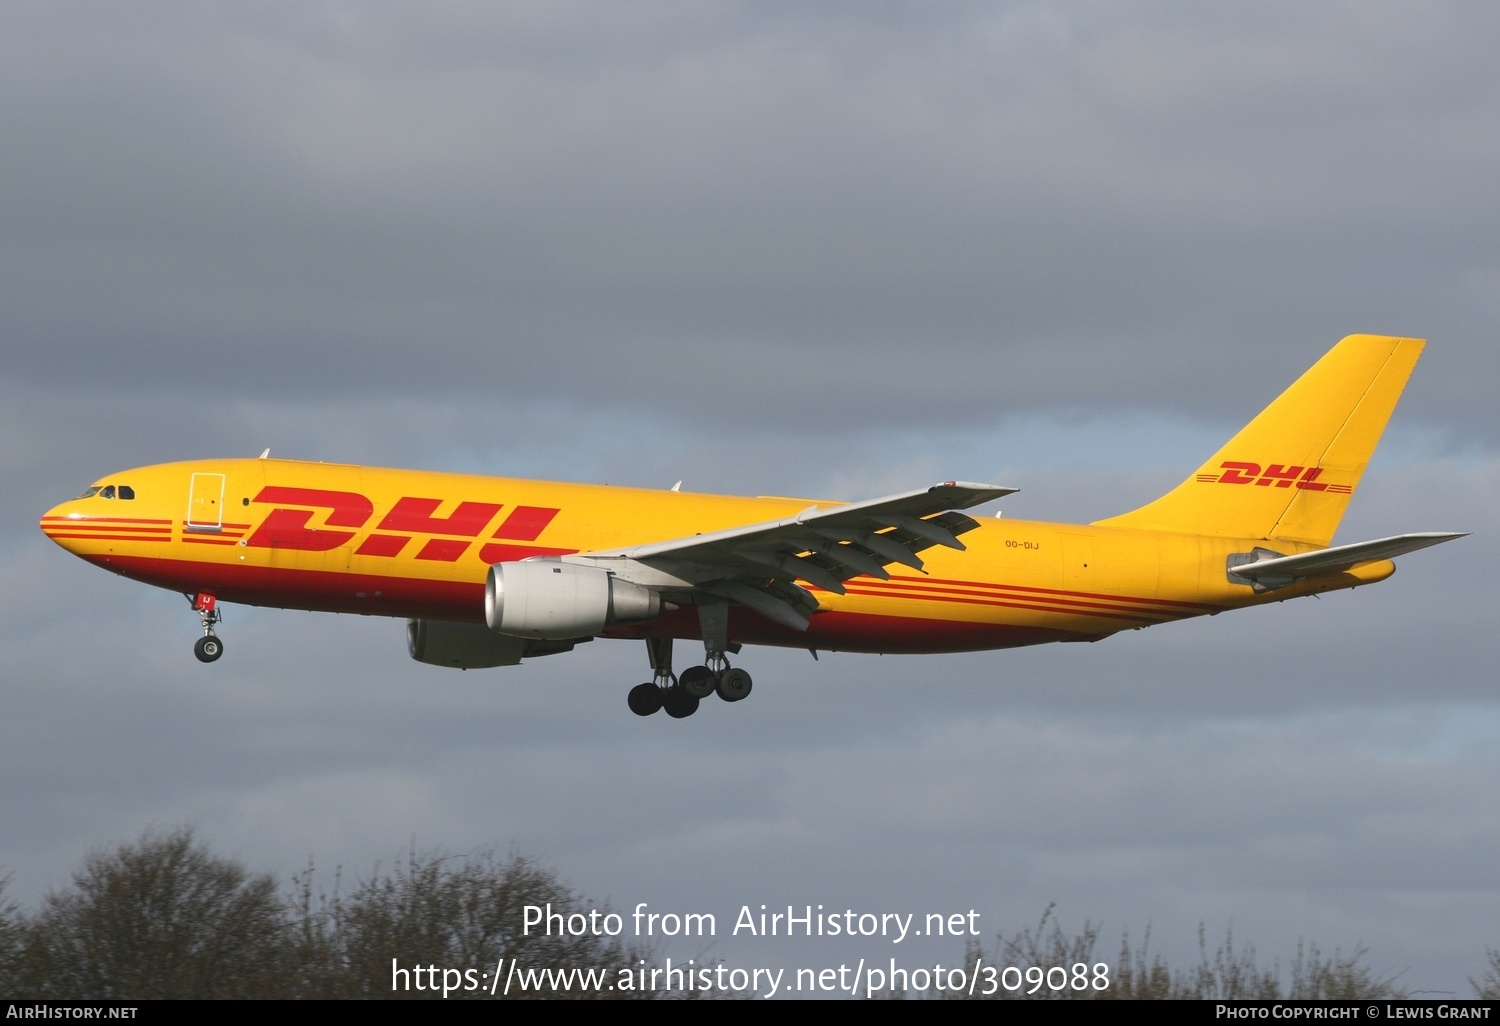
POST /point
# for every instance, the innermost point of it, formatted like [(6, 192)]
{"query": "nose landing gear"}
[(209, 647)]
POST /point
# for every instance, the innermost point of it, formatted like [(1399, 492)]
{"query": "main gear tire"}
[(734, 685), (679, 704), (697, 681), (644, 699)]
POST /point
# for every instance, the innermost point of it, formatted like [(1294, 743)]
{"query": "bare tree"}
[(11, 933), (1488, 986), (164, 918), (160, 918), (462, 915)]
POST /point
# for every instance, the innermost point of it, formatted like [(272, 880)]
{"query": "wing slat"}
[(758, 565)]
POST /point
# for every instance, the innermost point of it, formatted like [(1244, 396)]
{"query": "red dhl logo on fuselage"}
[(287, 528), (1279, 475)]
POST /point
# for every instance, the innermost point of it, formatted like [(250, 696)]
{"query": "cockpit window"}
[(109, 492)]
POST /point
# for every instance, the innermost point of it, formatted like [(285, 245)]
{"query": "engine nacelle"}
[(468, 646), (473, 646), (547, 598)]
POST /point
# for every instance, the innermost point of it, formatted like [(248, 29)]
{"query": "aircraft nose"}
[(58, 520)]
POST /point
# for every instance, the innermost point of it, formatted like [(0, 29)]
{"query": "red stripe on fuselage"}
[(71, 519), (992, 586), (1072, 608), (326, 591), (96, 536), (343, 592), (93, 528), (856, 632)]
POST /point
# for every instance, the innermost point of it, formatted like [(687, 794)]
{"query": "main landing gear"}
[(680, 695), (209, 647)]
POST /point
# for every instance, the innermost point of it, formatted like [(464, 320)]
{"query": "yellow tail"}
[(1290, 472)]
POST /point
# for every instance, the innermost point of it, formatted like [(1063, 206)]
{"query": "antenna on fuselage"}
[(264, 454)]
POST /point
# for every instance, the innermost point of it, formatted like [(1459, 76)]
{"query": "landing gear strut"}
[(662, 690), (731, 684), (680, 695), (209, 647)]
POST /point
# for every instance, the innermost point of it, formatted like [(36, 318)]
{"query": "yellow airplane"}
[(490, 571)]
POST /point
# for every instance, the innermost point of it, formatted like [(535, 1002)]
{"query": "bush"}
[(1226, 975)]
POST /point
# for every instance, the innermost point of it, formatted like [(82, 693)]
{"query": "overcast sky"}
[(837, 250)]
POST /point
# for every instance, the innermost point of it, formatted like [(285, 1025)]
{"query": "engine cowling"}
[(473, 646), (467, 646), (547, 598)]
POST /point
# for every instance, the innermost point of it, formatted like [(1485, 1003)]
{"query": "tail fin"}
[(1290, 472)]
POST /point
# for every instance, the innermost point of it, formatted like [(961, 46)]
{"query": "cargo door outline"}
[(205, 510)]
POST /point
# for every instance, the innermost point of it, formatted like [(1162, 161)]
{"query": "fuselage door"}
[(205, 510)]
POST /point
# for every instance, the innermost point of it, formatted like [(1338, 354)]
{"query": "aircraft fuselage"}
[(403, 543)]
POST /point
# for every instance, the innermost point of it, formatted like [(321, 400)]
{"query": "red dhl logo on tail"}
[(286, 528), (1304, 478)]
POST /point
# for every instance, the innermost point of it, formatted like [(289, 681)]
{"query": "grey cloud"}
[(622, 205)]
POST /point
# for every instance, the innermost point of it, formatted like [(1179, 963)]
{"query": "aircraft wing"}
[(1283, 570), (758, 565)]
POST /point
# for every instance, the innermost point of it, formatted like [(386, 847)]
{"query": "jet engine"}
[(473, 646), (547, 598), (468, 646)]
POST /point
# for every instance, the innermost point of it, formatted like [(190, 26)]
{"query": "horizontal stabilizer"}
[(1282, 570)]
